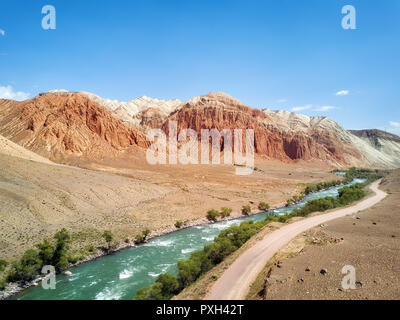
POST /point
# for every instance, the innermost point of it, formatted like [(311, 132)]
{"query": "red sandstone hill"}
[(59, 125), (220, 111), (56, 126)]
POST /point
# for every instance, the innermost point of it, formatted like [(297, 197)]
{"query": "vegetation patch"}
[(201, 261), (231, 239)]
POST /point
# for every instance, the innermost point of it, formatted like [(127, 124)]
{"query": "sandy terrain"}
[(37, 199), (368, 240), (234, 283), (10, 148)]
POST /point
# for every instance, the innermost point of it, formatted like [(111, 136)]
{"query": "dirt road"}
[(234, 283)]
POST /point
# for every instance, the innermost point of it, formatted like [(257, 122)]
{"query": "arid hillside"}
[(78, 161), (82, 127), (58, 126)]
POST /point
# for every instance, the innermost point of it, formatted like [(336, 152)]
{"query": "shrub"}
[(178, 224), (263, 206), (146, 233), (212, 215), (225, 212), (108, 237), (74, 259), (27, 269), (164, 288), (246, 210), (139, 239), (3, 265), (46, 252), (60, 256), (3, 284)]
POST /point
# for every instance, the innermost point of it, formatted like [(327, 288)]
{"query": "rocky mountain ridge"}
[(60, 123)]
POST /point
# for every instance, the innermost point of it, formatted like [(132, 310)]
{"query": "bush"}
[(3, 265), (212, 215), (178, 224), (139, 239), (246, 210), (108, 237), (74, 259), (263, 206), (164, 288), (146, 233), (60, 256), (201, 261), (225, 212), (3, 284), (27, 269), (46, 252)]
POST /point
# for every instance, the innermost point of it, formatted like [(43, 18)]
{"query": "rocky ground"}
[(38, 199), (310, 266)]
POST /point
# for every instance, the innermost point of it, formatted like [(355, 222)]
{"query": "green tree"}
[(170, 285), (3, 265), (178, 224), (263, 206), (28, 267), (60, 257), (146, 233), (108, 237), (246, 210), (212, 215), (46, 252), (164, 288), (225, 212), (139, 239), (3, 284)]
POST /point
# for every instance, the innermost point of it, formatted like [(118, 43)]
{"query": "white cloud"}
[(342, 93), (2, 32), (395, 124), (325, 108), (281, 100), (301, 108), (9, 93)]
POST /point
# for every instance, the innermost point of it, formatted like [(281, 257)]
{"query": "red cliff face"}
[(59, 125), (55, 125), (271, 140)]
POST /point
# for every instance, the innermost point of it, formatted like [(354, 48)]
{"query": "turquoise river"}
[(118, 276)]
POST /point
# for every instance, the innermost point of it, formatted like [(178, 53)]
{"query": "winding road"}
[(235, 281)]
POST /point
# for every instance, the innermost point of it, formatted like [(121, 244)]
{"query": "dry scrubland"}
[(369, 241), (37, 199)]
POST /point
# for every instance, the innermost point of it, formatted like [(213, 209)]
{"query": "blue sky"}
[(285, 54)]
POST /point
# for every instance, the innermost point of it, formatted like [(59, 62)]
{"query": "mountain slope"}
[(61, 124), (12, 149), (56, 126)]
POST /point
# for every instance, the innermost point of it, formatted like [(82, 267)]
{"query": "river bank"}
[(181, 249), (369, 241), (235, 282), (14, 289)]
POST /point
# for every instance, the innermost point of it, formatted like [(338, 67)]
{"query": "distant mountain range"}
[(61, 125)]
